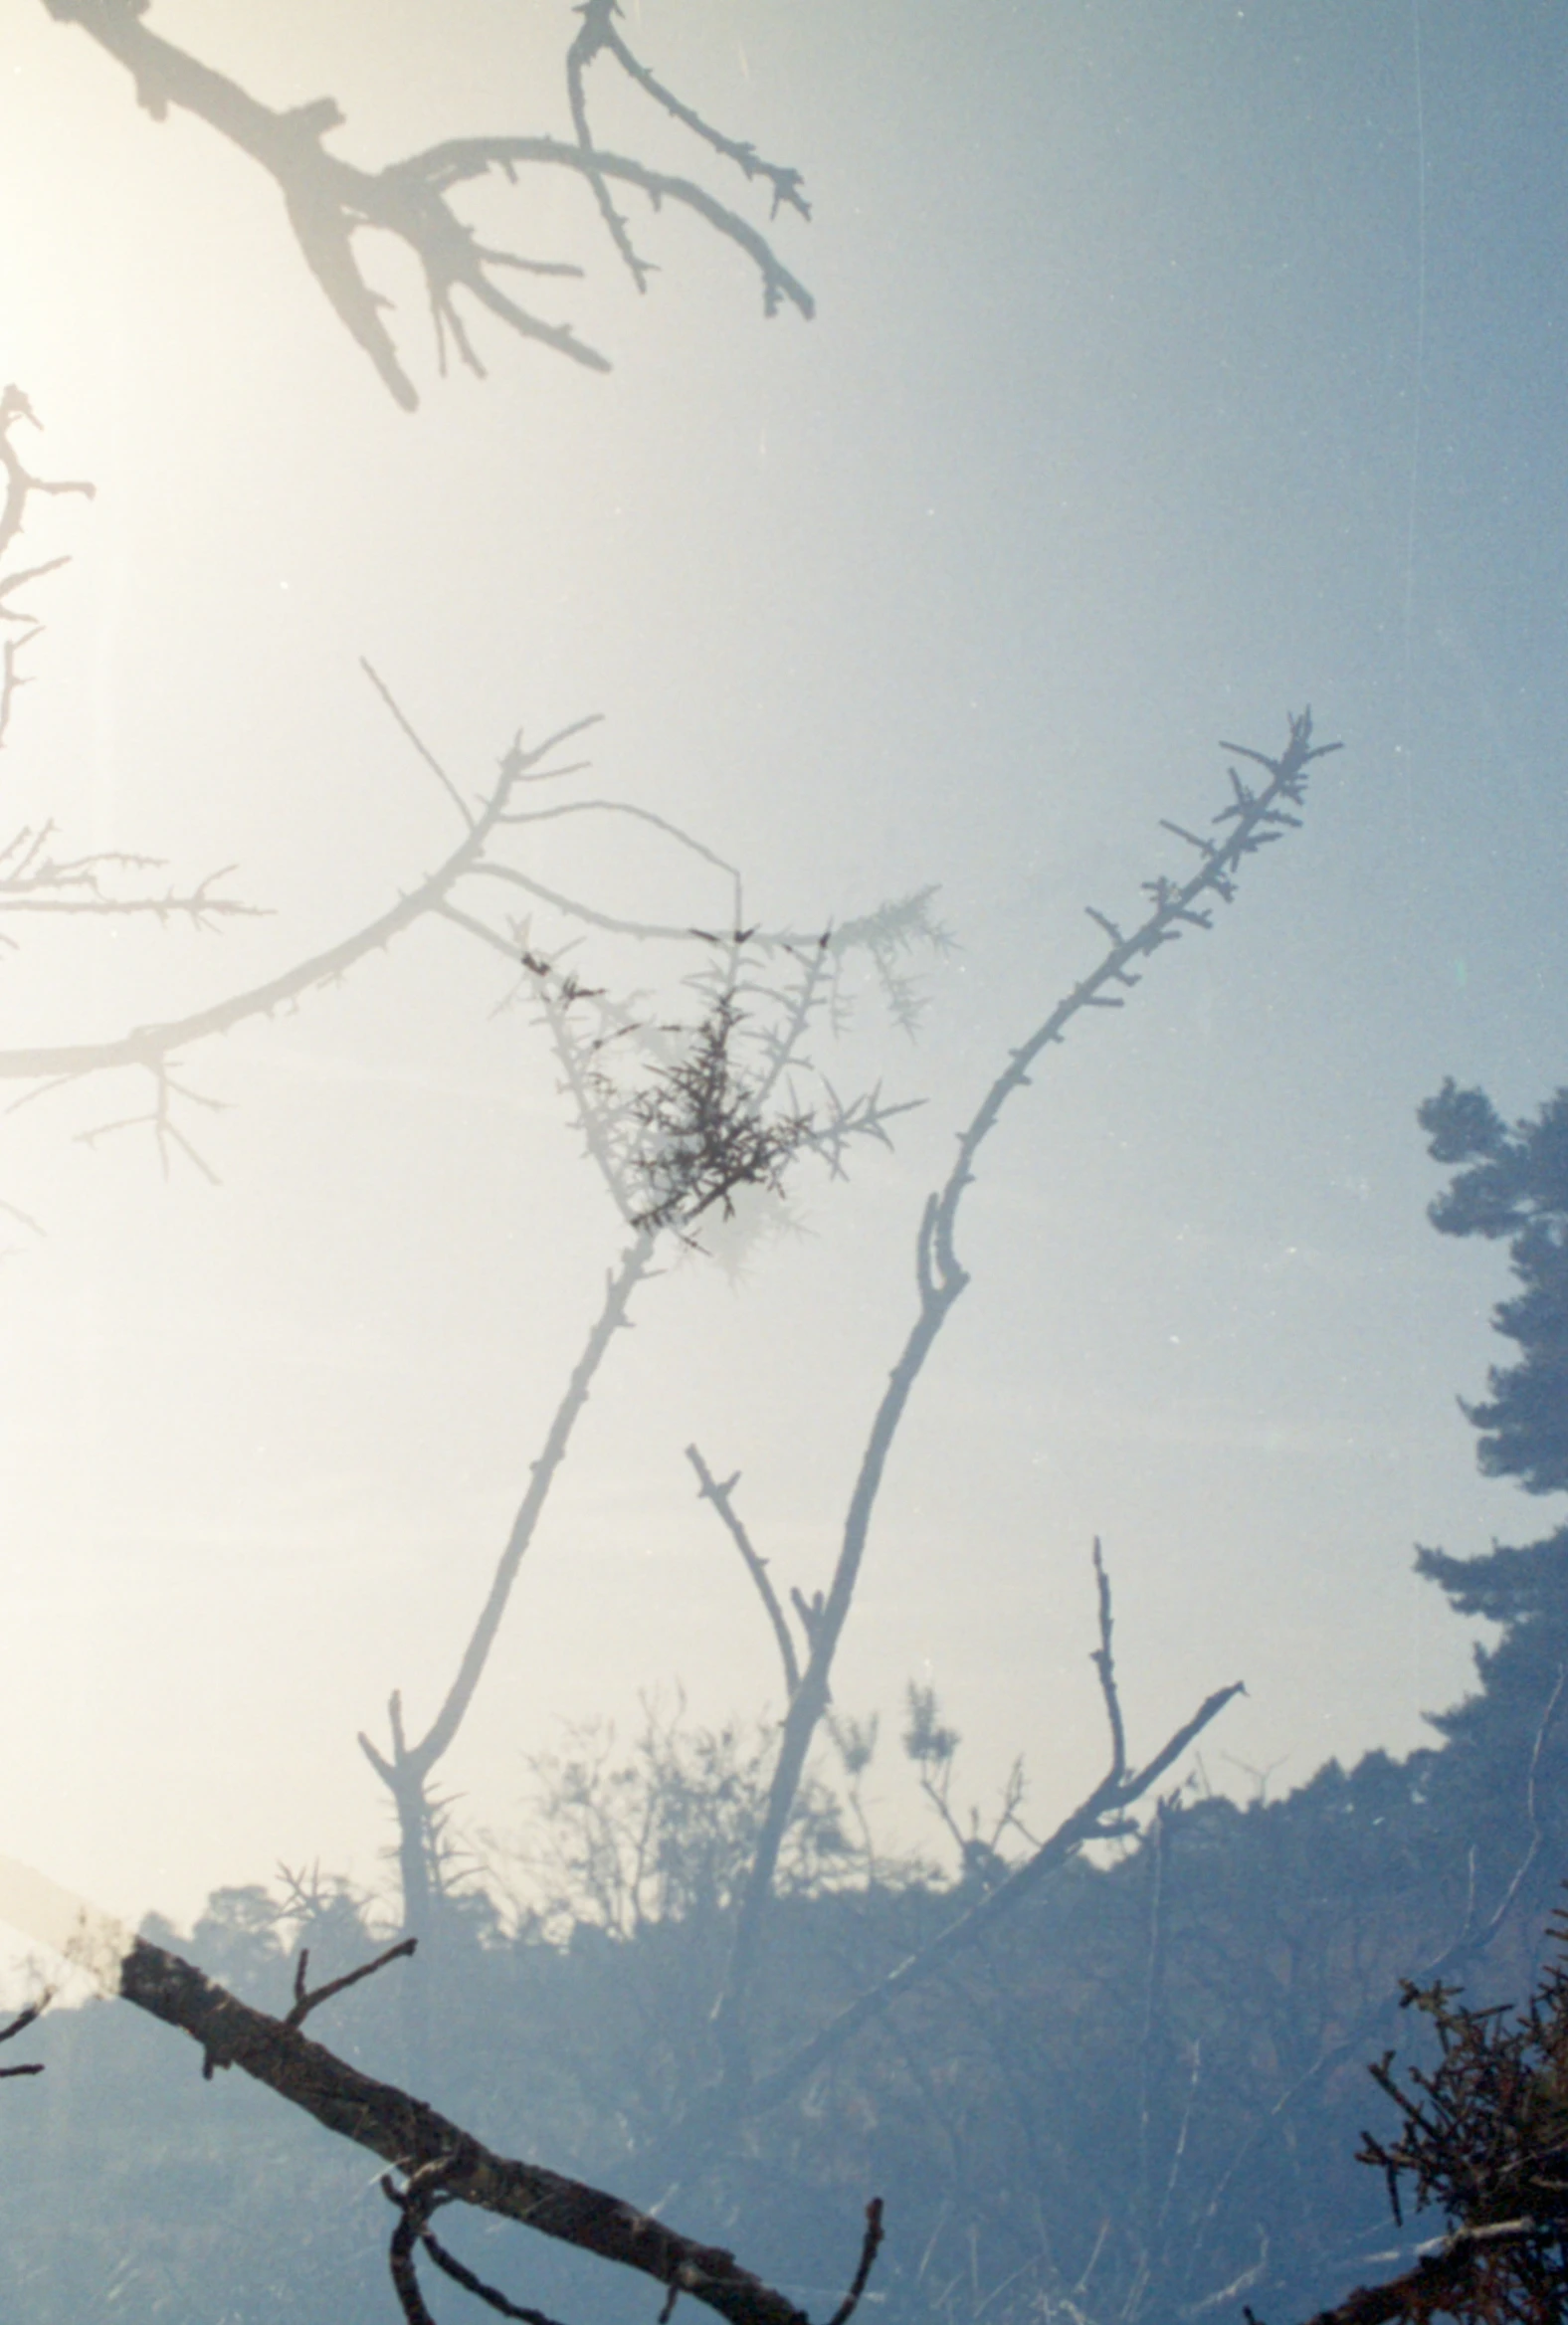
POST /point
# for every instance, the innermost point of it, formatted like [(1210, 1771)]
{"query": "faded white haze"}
[(1174, 367)]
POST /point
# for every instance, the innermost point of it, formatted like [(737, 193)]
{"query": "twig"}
[(709, 1489), (418, 741), (19, 2026), (1105, 1664), (869, 2248), (306, 2002)]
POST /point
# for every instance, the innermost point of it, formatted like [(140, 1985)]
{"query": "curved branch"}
[(1251, 820)]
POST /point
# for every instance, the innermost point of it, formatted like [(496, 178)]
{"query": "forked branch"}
[(19, 2026), (1100, 1815), (155, 1049), (329, 202)]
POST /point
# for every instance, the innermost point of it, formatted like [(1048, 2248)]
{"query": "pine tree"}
[(1509, 1738)]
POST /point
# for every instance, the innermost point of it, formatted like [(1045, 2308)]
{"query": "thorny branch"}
[(1484, 2137), (695, 1114), (1470, 1941), (672, 1145), (155, 1049), (1254, 816), (599, 38), (330, 201)]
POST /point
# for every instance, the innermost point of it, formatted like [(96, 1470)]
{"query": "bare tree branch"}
[(307, 1999), (1252, 819), (330, 201), (155, 1049), (409, 1767), (1101, 1816)]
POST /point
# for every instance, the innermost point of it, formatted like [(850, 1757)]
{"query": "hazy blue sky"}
[(1175, 366)]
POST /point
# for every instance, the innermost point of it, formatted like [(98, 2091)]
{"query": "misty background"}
[(1173, 368)]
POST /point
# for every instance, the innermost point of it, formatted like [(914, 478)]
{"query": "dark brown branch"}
[(305, 2001), (464, 2277), (19, 2026), (1441, 2279), (869, 2248), (412, 2202), (413, 2138)]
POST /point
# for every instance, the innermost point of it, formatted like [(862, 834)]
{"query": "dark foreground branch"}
[(427, 2148), (19, 2026), (1448, 2280)]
